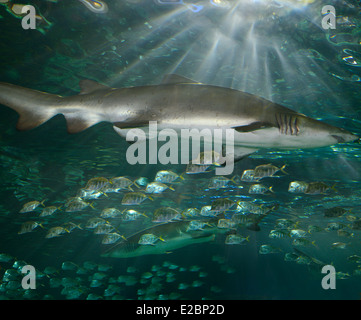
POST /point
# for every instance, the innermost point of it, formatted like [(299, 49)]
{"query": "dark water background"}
[(273, 50)]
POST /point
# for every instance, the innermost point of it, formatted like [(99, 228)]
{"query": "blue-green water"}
[(272, 49)]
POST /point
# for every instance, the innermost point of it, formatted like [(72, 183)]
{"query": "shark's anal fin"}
[(253, 126)]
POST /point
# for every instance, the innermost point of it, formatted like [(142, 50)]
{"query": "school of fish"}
[(136, 216)]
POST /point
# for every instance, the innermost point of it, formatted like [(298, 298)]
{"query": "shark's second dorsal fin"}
[(88, 86), (176, 79)]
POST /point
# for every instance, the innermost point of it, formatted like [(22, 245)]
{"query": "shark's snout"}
[(344, 137)]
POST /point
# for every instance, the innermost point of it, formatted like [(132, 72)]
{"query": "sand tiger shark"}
[(177, 103)]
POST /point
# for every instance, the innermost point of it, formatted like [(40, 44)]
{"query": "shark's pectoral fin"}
[(176, 79), (254, 126), (238, 153), (88, 86)]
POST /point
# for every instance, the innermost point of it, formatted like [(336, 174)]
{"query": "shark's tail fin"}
[(34, 107)]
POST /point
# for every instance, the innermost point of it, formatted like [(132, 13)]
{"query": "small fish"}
[(354, 258), (318, 188), (303, 259), (249, 207), (68, 266), (357, 272), (267, 248), (297, 187), (183, 286), (335, 212), (338, 245), (356, 225), (224, 204), (96, 183), (279, 234), (206, 211), (259, 189), (94, 222), (48, 211), (31, 206), (303, 242), (345, 233), (76, 204), (351, 218), (134, 198), (146, 275), (29, 226), (243, 218), (110, 213), (119, 183), (249, 176), (56, 232), (90, 194), (236, 239), (194, 268), (313, 228), (298, 233), (132, 215), (111, 238), (70, 226), (197, 168), (157, 187), (141, 182), (332, 226), (226, 224), (290, 256), (149, 239), (342, 275), (285, 224), (103, 228), (219, 182), (267, 170), (166, 176), (209, 158), (191, 213), (166, 214), (197, 283), (197, 225)]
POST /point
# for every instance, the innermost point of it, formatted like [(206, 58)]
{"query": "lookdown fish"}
[(177, 103)]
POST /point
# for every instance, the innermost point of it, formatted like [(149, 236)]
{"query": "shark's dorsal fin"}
[(176, 79), (88, 86)]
